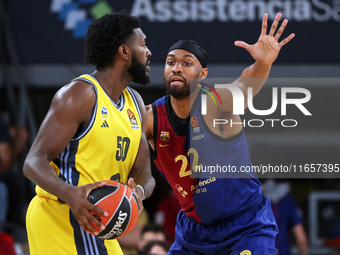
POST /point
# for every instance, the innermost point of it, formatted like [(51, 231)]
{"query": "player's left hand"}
[(267, 48), (131, 183)]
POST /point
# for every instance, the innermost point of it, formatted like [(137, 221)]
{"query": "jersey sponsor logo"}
[(181, 190), (105, 124), (104, 112), (163, 145), (132, 117), (165, 136), (200, 187)]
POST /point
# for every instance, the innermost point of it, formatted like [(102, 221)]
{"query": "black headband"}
[(192, 47)]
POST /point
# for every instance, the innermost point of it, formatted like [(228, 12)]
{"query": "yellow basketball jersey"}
[(107, 148)]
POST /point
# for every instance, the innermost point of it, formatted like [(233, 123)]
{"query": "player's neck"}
[(113, 82), (182, 106)]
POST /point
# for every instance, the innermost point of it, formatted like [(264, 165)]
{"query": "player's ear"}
[(203, 73), (124, 51)]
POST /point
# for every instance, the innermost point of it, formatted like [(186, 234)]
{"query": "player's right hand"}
[(76, 198), (134, 189), (267, 48)]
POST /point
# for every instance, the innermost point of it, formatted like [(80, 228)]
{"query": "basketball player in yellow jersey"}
[(93, 131)]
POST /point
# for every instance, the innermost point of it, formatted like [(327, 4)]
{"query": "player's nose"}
[(177, 68), (148, 52)]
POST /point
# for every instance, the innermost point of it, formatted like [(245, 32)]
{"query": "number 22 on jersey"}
[(183, 171)]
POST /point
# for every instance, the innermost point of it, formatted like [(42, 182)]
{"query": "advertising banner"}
[(54, 31)]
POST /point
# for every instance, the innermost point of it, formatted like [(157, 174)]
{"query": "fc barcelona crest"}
[(165, 136)]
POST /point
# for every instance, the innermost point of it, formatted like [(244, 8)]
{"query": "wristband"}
[(143, 190)]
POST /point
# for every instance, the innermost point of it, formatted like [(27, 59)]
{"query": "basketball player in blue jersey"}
[(218, 215), (93, 131)]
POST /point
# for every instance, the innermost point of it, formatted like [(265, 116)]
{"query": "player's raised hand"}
[(267, 48)]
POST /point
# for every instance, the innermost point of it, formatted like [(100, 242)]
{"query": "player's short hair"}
[(105, 35)]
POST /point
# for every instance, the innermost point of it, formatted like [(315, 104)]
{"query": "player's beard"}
[(138, 71), (179, 92)]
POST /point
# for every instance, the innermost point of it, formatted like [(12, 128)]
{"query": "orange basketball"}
[(118, 200)]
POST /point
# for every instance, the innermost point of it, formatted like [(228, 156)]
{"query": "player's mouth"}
[(147, 67), (176, 80)]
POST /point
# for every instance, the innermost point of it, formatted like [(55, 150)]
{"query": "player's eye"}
[(187, 63), (170, 62)]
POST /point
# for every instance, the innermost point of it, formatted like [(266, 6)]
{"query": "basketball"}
[(118, 200)]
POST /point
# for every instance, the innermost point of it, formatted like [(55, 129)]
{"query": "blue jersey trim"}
[(93, 116), (160, 101), (121, 98), (64, 168), (66, 164)]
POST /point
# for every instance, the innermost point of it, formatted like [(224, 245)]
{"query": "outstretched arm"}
[(264, 52)]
